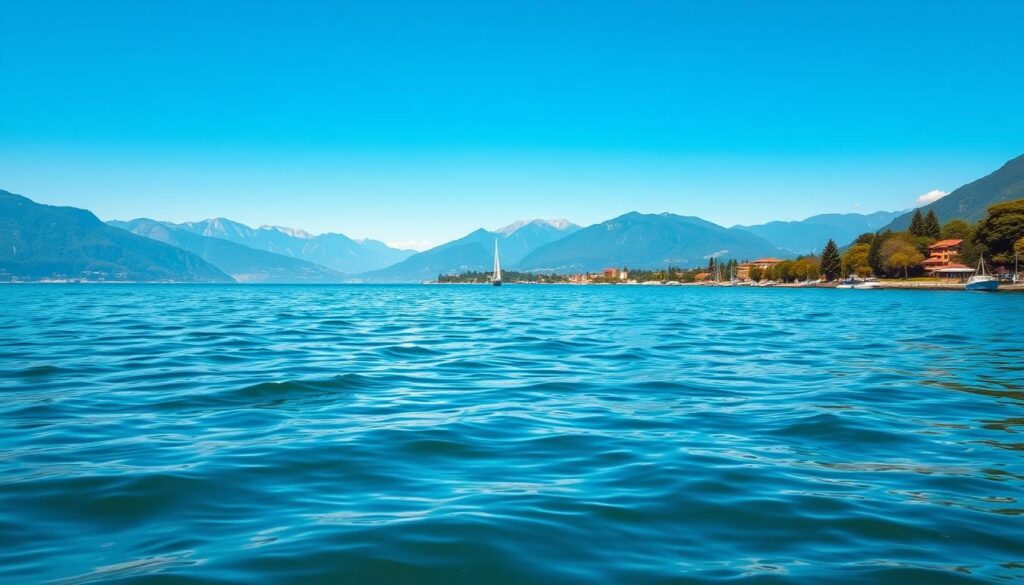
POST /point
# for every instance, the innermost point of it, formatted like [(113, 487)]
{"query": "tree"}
[(855, 260), (756, 273), (900, 254), (970, 249), (875, 260), (931, 226), (1001, 229), (1018, 247), (917, 224), (807, 268), (865, 238), (831, 263), (957, 229)]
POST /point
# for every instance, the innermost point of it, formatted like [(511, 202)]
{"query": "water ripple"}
[(214, 434)]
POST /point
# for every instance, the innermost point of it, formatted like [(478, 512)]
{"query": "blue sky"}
[(419, 121)]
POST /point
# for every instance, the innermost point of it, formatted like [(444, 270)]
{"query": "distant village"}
[(927, 255)]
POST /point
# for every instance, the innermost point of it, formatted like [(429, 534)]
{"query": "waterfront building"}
[(941, 255)]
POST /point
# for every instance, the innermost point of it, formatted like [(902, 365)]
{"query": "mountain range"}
[(39, 242), (648, 241), (242, 263), (475, 251), (971, 201), (808, 236), (48, 242), (335, 251)]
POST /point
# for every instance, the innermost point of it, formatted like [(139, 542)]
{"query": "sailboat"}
[(982, 280), (496, 277)]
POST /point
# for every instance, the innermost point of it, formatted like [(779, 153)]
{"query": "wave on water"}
[(401, 434)]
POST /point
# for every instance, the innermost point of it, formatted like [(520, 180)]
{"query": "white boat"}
[(496, 277), (868, 284), (982, 280)]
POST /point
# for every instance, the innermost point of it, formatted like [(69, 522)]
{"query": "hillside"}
[(971, 201), (48, 242), (646, 241), (809, 235)]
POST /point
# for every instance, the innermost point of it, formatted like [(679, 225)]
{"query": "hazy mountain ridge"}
[(809, 235), (242, 263), (970, 202), (333, 250), (44, 242)]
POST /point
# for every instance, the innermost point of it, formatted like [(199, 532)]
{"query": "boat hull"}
[(495, 283), (985, 285)]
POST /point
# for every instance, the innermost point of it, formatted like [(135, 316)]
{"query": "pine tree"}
[(931, 226), (875, 259), (917, 224), (831, 263)]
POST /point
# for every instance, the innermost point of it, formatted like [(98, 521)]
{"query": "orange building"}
[(942, 254), (765, 263), (615, 274), (743, 270)]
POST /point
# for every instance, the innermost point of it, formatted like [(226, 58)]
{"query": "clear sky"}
[(420, 121)]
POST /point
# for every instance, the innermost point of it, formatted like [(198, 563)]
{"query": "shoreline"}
[(883, 285)]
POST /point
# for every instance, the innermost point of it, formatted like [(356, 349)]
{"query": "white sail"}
[(497, 265)]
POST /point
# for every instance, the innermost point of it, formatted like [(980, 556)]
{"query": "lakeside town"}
[(927, 256)]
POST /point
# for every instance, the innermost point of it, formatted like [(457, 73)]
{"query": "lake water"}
[(522, 434)]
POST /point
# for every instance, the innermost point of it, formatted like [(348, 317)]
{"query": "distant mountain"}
[(242, 263), (811, 234), (44, 241), (641, 240), (971, 201), (335, 251), (475, 251), (522, 237)]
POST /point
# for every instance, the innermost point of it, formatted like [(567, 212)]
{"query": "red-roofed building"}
[(942, 254), (743, 270), (765, 263)]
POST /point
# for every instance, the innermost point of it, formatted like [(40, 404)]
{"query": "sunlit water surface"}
[(523, 434)]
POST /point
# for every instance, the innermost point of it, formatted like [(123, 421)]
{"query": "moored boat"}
[(982, 280), (867, 284)]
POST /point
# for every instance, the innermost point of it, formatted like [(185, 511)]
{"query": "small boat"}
[(982, 280), (867, 284), (496, 277)]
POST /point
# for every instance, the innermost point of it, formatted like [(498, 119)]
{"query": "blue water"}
[(530, 434)]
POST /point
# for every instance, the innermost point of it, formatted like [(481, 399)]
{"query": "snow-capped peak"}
[(293, 232), (558, 224)]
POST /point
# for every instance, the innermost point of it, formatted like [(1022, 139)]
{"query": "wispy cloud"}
[(418, 245), (931, 197)]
